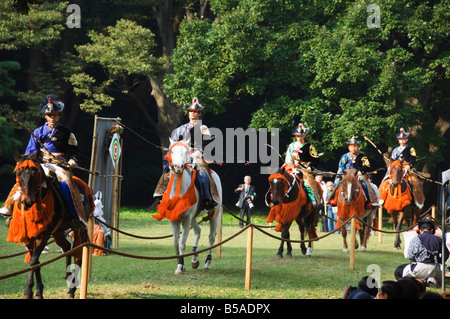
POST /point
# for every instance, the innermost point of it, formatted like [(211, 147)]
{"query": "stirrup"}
[(209, 204)]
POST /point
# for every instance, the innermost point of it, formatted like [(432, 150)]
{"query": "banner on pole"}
[(114, 149)]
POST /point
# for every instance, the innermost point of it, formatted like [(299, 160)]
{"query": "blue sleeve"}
[(341, 166), (33, 145)]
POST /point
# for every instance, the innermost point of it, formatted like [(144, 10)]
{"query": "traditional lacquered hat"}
[(402, 134), (353, 141), (300, 129), (51, 106), (195, 106)]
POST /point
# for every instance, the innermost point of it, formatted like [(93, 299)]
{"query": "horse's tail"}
[(80, 236), (87, 191)]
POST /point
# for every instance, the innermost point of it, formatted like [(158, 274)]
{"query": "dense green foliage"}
[(250, 62), (318, 62)]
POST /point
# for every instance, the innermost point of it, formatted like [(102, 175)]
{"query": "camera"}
[(249, 202)]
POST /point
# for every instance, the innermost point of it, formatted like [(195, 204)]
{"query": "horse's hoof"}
[(195, 264), (309, 252), (38, 297), (344, 250), (279, 256), (396, 248), (363, 249), (288, 255), (180, 270), (27, 296), (69, 296)]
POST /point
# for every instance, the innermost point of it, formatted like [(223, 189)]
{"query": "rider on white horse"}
[(197, 133)]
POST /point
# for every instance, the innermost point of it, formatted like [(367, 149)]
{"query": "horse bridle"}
[(24, 165), (168, 157), (286, 183)]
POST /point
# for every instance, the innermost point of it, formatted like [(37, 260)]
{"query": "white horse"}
[(179, 160)]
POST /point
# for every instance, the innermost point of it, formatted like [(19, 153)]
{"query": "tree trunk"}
[(169, 115)]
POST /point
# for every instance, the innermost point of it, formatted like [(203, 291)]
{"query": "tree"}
[(318, 62), (134, 65)]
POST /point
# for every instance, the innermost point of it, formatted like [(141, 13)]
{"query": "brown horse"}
[(350, 202), (396, 196), (39, 214), (288, 203)]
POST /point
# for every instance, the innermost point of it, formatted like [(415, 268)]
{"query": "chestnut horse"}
[(288, 203), (396, 196), (39, 214), (351, 201)]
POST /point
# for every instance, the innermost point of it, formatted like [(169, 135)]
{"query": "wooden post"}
[(353, 243), (84, 273), (91, 224), (91, 183), (115, 202), (248, 265), (380, 223)]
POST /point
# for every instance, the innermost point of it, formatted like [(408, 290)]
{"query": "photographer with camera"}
[(246, 198), (424, 252)]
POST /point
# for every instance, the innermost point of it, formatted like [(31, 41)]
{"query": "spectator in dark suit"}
[(246, 198)]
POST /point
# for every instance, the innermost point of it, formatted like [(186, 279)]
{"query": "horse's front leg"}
[(344, 238), (176, 244), (398, 227), (285, 234), (28, 293), (36, 249)]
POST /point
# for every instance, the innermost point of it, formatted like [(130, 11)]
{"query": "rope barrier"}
[(258, 227), (22, 252), (121, 254), (129, 234), (43, 263)]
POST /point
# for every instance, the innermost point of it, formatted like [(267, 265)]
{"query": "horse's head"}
[(178, 156), (349, 185), (396, 173), (28, 175), (278, 187)]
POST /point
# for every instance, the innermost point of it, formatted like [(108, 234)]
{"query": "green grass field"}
[(323, 276)]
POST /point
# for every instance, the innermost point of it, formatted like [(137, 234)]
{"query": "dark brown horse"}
[(288, 204), (350, 202), (39, 214), (396, 196)]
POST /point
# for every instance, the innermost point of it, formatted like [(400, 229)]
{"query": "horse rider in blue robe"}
[(63, 146), (199, 135), (355, 159)]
